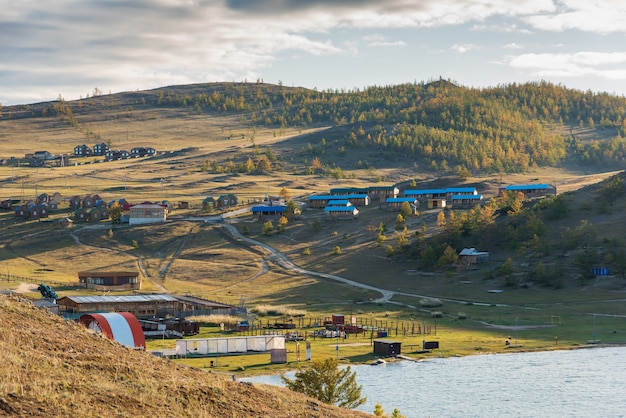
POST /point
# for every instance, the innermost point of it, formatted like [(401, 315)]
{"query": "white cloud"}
[(572, 65), (381, 40), (598, 16), (513, 45), (463, 48)]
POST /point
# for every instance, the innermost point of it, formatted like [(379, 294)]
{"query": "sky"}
[(73, 48)]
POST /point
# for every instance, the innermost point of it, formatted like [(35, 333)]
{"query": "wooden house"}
[(75, 202), (208, 204), (81, 215), (6, 204), (226, 201), (82, 151), (22, 211), (110, 280), (146, 213), (38, 211), (437, 203), (320, 201), (382, 193), (100, 149), (91, 201), (94, 215)]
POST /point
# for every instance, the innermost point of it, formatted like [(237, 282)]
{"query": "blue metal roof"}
[(466, 196), (338, 202), (268, 209), (400, 199), (340, 209), (424, 191)]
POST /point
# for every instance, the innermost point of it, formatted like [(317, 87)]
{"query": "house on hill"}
[(261, 211), (82, 151)]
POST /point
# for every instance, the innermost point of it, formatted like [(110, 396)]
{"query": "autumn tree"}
[(441, 219), (405, 209), (282, 223), (267, 228), (400, 222), (284, 194), (325, 381), (115, 213)]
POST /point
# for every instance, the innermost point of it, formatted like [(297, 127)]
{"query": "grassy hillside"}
[(56, 368)]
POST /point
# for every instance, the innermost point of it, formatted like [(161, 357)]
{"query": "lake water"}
[(574, 383)]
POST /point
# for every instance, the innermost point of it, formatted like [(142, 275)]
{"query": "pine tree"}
[(325, 381)]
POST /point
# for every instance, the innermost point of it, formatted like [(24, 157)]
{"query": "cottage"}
[(110, 280), (81, 215), (75, 202), (100, 149), (38, 211), (6, 204), (226, 201), (208, 204), (82, 151), (146, 213)]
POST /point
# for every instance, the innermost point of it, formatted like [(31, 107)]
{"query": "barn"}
[(122, 327)]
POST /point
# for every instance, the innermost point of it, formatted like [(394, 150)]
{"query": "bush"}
[(430, 302), (336, 250)]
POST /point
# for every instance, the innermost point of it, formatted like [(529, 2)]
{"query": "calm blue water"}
[(576, 383)]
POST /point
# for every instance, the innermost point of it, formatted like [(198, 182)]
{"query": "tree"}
[(325, 381), (400, 222), (115, 213), (441, 219), (282, 223), (405, 209), (380, 412), (267, 228), (292, 209), (336, 250), (284, 194)]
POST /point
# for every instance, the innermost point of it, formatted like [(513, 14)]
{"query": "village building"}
[(144, 306), (458, 201), (382, 193), (110, 280), (226, 201), (262, 211), (147, 213), (395, 203), (437, 203), (142, 152), (82, 151), (208, 204), (343, 191), (530, 190), (341, 212), (100, 149)]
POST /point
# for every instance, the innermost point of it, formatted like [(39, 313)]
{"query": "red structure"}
[(122, 327)]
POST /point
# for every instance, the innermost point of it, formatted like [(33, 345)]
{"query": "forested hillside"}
[(444, 127)]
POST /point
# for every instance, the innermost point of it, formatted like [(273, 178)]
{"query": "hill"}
[(55, 368)]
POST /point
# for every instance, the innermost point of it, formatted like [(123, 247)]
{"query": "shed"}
[(122, 327), (472, 256), (387, 348)]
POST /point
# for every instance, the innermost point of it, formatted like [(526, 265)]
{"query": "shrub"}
[(336, 250)]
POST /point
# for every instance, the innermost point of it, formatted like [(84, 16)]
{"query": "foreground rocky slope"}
[(52, 367)]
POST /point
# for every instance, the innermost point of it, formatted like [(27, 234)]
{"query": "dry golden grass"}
[(57, 368)]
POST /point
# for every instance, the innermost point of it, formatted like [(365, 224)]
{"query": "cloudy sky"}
[(71, 47)]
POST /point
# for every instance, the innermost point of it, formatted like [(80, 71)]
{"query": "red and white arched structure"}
[(122, 327)]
